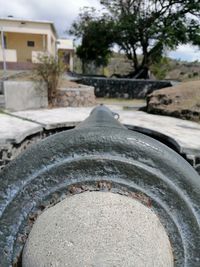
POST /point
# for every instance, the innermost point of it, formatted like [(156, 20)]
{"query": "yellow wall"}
[(18, 41), (21, 31)]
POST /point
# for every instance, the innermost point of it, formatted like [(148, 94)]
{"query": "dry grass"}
[(185, 95), (121, 101), (32, 76), (64, 83), (19, 75), (181, 101)]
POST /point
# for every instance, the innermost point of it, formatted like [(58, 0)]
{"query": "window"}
[(31, 43)]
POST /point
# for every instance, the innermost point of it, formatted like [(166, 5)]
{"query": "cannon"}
[(101, 169)]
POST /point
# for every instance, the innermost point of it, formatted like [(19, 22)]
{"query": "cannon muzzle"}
[(92, 191)]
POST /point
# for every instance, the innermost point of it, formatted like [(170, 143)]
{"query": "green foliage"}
[(161, 68), (96, 43), (49, 70), (137, 26), (195, 74), (97, 39)]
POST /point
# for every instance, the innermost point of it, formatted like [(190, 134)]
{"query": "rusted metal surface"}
[(100, 154)]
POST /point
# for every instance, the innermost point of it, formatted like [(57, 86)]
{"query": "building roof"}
[(32, 21), (65, 44)]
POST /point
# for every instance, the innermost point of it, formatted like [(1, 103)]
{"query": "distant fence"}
[(123, 88)]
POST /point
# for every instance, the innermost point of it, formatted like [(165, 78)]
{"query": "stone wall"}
[(75, 97), (123, 88), (23, 95)]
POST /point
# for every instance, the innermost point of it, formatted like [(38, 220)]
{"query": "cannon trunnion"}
[(100, 154)]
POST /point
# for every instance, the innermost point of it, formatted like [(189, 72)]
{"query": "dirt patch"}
[(64, 83), (181, 101), (32, 76)]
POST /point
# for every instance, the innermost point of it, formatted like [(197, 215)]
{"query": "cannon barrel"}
[(100, 154)]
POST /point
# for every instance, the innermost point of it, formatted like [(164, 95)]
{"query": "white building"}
[(22, 41)]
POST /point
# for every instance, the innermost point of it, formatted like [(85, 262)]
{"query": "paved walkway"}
[(185, 135)]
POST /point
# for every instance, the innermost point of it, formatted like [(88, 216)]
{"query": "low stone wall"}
[(22, 95), (123, 88), (75, 97)]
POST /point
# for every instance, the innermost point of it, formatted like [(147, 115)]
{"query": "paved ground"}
[(15, 130), (185, 135)]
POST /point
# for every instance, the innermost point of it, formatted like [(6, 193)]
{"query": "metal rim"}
[(130, 161)]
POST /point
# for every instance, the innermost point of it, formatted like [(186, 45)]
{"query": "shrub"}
[(195, 74), (49, 70), (160, 68)]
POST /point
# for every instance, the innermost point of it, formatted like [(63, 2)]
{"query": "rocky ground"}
[(181, 101)]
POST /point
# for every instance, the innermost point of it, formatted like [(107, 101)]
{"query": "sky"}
[(64, 12)]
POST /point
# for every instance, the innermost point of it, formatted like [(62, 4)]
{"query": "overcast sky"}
[(63, 12)]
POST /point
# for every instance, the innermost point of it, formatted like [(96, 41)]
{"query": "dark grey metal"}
[(101, 154)]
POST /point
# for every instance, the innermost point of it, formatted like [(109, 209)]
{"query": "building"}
[(22, 41), (65, 49)]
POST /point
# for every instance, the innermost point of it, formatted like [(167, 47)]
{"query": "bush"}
[(49, 70), (195, 74), (161, 68)]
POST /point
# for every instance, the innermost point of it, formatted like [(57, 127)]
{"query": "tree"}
[(161, 68), (143, 29), (96, 48), (97, 39), (49, 70)]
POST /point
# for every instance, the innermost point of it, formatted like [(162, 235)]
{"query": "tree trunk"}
[(140, 73), (83, 66)]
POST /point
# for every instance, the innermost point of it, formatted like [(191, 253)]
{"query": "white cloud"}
[(61, 12), (64, 12), (186, 52)]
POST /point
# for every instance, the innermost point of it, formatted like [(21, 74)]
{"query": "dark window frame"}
[(30, 43)]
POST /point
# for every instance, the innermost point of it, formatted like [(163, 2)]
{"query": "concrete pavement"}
[(15, 130)]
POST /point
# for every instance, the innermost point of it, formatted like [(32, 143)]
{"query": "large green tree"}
[(143, 29), (97, 39)]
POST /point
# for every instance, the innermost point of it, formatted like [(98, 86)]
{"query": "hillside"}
[(168, 69)]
